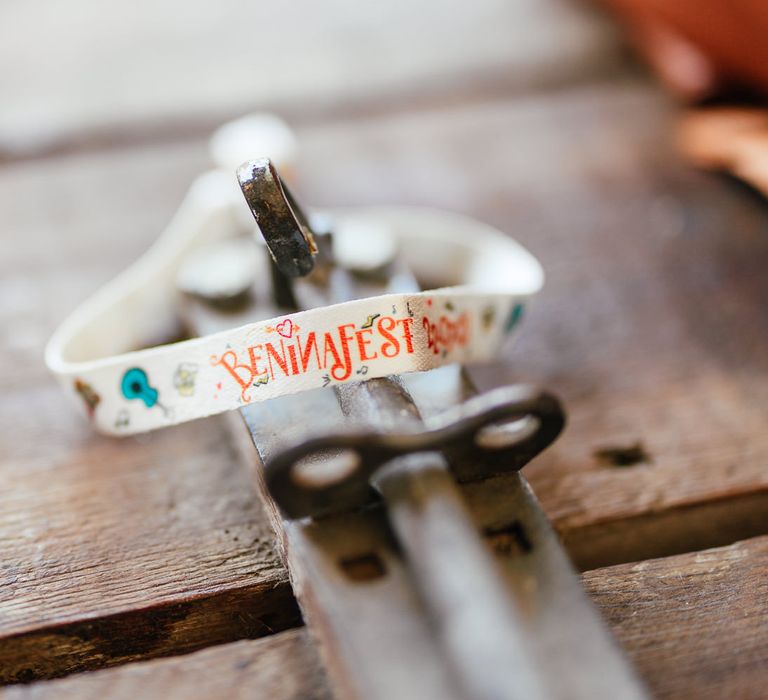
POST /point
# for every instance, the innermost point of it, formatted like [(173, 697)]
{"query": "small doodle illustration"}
[(369, 321), (123, 419), (326, 380), (449, 306), (514, 318), (135, 385), (488, 315), (363, 370), (261, 381), (89, 396), (184, 378), (286, 328)]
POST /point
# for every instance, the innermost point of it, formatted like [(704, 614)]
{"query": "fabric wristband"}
[(488, 280)]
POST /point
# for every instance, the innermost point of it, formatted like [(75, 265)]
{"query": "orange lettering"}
[(330, 347), (347, 366), (363, 343), (255, 361), (406, 323), (238, 371), (292, 358), (390, 348), (279, 359), (311, 343)]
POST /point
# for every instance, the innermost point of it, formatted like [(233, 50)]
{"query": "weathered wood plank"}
[(651, 325), (694, 624), (113, 553), (282, 667)]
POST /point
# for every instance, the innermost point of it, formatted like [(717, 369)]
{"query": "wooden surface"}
[(694, 624), (283, 667), (651, 327)]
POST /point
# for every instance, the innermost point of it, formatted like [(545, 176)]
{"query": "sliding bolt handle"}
[(281, 221)]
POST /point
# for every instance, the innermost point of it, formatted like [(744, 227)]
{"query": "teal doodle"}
[(135, 385), (514, 318)]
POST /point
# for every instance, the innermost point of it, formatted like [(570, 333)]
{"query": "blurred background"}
[(84, 70), (535, 116)]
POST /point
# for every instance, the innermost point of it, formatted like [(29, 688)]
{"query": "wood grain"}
[(113, 554), (694, 624), (282, 667)]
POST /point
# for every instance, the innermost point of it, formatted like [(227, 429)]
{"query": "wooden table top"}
[(651, 327)]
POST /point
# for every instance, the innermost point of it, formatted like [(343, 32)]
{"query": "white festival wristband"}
[(489, 279)]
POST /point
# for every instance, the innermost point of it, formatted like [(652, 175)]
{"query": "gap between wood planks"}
[(181, 627), (284, 666)]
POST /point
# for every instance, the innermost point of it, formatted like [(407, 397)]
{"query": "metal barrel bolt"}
[(406, 463)]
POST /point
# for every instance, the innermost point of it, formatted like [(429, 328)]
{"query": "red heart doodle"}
[(285, 328)]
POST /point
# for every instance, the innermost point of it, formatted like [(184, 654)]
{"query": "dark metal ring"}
[(283, 224), (459, 434)]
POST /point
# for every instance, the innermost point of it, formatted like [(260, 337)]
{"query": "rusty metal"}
[(283, 224), (477, 625), (459, 433)]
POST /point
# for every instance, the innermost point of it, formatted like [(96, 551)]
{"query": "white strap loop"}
[(489, 278)]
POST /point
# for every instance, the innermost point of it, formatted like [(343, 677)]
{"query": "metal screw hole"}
[(508, 540), (505, 434), (366, 567), (325, 468)]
